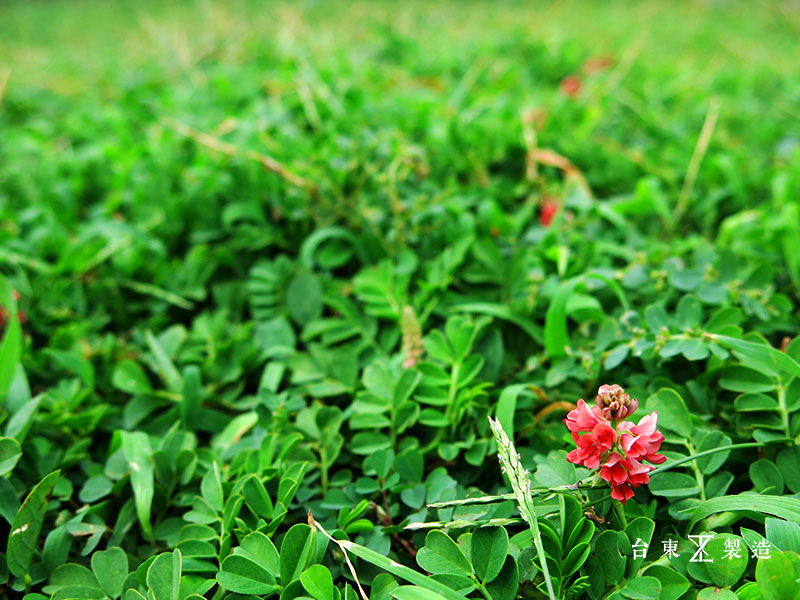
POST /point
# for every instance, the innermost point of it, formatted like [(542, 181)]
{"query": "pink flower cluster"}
[(615, 446)]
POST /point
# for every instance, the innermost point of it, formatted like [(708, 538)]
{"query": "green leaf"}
[(685, 279), (461, 332), (507, 406), (689, 312), (71, 574), (129, 377), (191, 397), (110, 567), (755, 402), (243, 575), (234, 430), (10, 351), (617, 356), (656, 318), (382, 586), (712, 439), (767, 355), (460, 583), (766, 477), (319, 237), (73, 362), (411, 592), (642, 588), (56, 549), (304, 299), (166, 368), (380, 463), (556, 336), (438, 348), (503, 313), (318, 582), (607, 546), (711, 593), (673, 584), (739, 378), (506, 584), (672, 412), (729, 564), (723, 318), (783, 534), (441, 555), (778, 577), (27, 525), (639, 531), (576, 557), (257, 498), (749, 591), (488, 550), (164, 576), (694, 349), (10, 452), (18, 425), (784, 507), (297, 552), (211, 488), (259, 548), (555, 470), (788, 462), (136, 447)]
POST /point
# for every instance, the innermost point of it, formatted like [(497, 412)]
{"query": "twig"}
[(269, 163), (677, 463), (553, 406), (387, 522), (551, 158), (697, 157), (314, 525)]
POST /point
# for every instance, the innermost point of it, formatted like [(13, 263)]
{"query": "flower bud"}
[(615, 403)]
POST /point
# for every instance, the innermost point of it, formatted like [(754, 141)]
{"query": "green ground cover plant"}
[(305, 300)]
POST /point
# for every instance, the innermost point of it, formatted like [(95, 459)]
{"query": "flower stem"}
[(705, 453), (619, 512)]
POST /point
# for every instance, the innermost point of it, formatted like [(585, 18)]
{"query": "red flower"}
[(642, 441), (621, 492), (583, 418), (619, 470), (618, 448), (592, 445), (548, 212), (571, 85)]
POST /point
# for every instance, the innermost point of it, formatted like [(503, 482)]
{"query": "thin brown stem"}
[(209, 141)]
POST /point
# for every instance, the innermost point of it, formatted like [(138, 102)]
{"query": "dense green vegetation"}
[(267, 270)]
